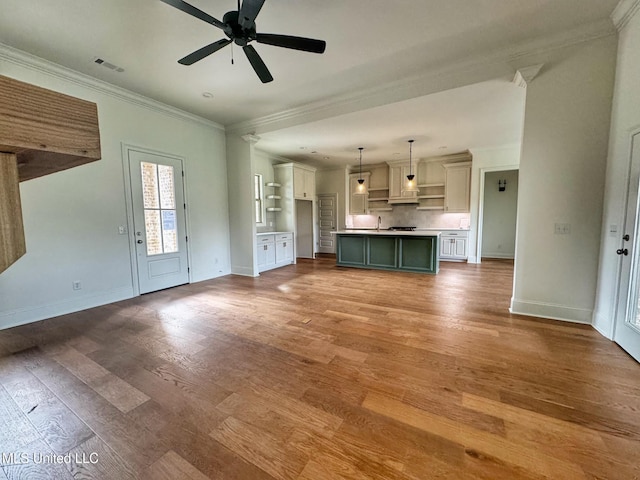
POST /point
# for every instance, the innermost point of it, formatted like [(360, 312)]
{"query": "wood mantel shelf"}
[(48, 131), (41, 132)]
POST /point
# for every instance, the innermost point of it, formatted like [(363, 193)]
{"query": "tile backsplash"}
[(407, 215)]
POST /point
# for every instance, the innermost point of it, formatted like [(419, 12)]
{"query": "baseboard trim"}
[(243, 271), (26, 315), (509, 256), (602, 326), (551, 311)]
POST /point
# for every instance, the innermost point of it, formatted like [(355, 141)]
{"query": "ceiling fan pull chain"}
[(232, 54)]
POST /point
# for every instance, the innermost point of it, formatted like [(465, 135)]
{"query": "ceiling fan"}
[(240, 27)]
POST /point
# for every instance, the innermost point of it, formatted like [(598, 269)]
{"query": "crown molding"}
[(624, 11), (17, 57), (493, 64), (525, 75)]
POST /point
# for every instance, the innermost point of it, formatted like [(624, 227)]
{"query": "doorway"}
[(159, 221), (497, 213), (327, 222), (500, 205), (627, 321), (304, 229)]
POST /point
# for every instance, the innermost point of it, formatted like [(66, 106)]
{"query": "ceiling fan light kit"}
[(240, 28)]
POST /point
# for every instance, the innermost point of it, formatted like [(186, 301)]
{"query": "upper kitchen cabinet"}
[(304, 182), (457, 187), (379, 188), (398, 172)]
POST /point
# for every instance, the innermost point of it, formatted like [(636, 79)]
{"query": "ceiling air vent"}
[(110, 66)]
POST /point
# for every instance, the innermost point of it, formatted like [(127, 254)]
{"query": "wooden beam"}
[(47, 130), (12, 242)]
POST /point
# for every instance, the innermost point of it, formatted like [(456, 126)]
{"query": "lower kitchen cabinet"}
[(388, 252), (454, 245), (274, 250)]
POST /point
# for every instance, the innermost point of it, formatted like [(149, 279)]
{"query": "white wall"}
[(503, 158), (72, 217), (625, 119), (562, 169), (242, 218), (499, 215)]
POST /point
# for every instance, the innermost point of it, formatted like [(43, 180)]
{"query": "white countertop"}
[(394, 233), (418, 229), (271, 233)]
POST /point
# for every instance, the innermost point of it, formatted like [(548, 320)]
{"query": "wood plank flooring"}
[(314, 372)]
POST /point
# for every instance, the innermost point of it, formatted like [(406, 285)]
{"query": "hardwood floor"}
[(315, 372)]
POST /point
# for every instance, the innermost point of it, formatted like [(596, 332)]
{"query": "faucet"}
[(379, 222)]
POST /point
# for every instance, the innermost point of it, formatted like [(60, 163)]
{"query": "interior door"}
[(327, 222), (157, 193), (627, 328)]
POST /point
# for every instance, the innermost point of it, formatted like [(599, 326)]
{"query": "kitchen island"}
[(412, 251)]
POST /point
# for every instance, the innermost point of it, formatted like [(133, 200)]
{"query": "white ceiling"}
[(369, 43)]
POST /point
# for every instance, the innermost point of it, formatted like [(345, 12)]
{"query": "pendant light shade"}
[(411, 185), (361, 188)]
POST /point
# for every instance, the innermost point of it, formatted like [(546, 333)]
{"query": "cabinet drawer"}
[(284, 236), (265, 239)]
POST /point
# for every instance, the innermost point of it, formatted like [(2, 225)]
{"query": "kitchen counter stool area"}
[(389, 250)]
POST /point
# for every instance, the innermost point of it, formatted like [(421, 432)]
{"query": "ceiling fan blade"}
[(296, 43), (258, 65), (249, 12), (195, 12), (204, 52)]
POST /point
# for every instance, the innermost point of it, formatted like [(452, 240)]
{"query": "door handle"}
[(626, 237), (622, 251), (139, 241)]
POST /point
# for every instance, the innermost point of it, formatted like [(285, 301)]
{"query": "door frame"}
[(126, 169), (622, 285), (483, 172)]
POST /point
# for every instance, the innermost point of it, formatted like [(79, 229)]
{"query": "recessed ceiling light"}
[(303, 148), (315, 151), (326, 158), (207, 94)]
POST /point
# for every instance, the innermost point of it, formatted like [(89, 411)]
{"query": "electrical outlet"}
[(562, 229), (77, 285)]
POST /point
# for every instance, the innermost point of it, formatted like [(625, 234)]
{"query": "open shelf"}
[(274, 209), (272, 184), (274, 197)]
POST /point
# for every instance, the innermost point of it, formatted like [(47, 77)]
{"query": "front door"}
[(327, 222), (157, 193), (627, 328)]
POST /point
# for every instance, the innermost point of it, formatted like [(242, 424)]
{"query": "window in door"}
[(259, 198), (159, 196)]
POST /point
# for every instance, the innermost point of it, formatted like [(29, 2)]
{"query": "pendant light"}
[(411, 185), (361, 189)]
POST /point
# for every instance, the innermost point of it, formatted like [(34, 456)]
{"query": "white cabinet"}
[(358, 203), (453, 245), (284, 249), (274, 250), (457, 185), (397, 179), (266, 252), (304, 183)]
